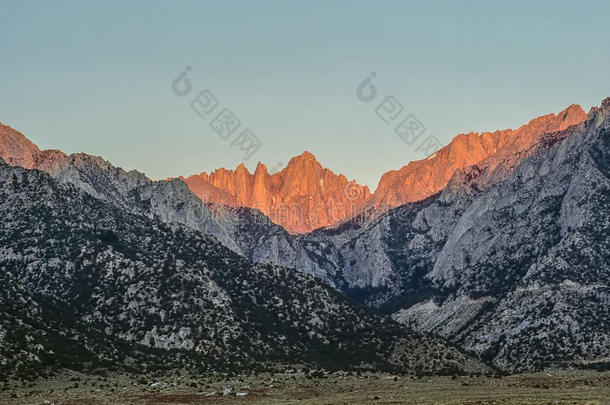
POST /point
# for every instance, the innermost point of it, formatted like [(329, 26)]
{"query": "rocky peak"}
[(305, 196), (241, 170), (572, 115), (598, 115), (301, 197), (306, 155), (420, 179), (260, 170), (16, 149), (305, 162)]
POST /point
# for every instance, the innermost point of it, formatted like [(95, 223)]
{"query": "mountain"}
[(506, 255), (509, 260), (16, 149), (301, 197), (304, 196), (127, 291), (40, 335), (423, 178), (246, 231)]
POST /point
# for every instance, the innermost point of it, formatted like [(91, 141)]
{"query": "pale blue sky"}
[(95, 76)]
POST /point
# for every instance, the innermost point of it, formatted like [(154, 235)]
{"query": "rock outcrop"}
[(509, 261), (508, 258), (86, 285), (420, 179), (302, 197), (16, 149), (244, 230)]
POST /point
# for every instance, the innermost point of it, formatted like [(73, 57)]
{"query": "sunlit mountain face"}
[(321, 202), (302, 197), (305, 196), (452, 245)]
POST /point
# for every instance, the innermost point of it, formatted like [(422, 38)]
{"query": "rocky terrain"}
[(86, 285), (510, 260), (423, 178), (502, 251), (301, 197), (304, 196), (244, 230)]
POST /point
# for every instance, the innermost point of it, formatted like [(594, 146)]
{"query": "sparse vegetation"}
[(320, 388)]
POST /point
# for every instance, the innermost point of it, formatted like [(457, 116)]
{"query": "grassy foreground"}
[(554, 387)]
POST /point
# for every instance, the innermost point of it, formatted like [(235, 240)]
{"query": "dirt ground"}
[(554, 387)]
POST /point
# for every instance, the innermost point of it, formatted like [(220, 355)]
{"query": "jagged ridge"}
[(147, 285)]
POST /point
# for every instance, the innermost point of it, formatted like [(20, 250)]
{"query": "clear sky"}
[(95, 76)]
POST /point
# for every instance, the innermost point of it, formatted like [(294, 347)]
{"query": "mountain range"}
[(496, 244), (302, 197), (80, 275), (305, 196)]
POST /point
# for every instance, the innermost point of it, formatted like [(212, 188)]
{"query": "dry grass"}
[(558, 387)]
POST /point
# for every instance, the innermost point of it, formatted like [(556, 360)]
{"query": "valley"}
[(314, 388), (304, 202)]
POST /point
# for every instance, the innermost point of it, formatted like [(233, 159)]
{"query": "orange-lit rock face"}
[(422, 178), (302, 197), (305, 196), (16, 149)]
